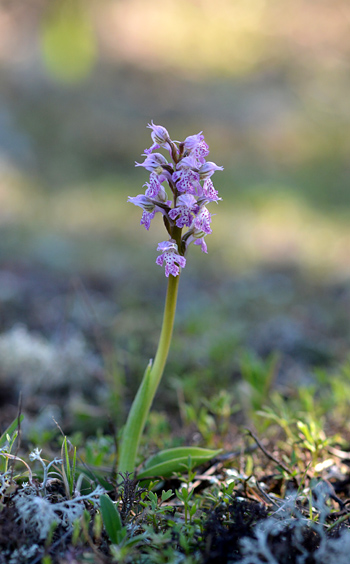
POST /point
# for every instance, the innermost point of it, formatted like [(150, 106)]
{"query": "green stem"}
[(143, 400)]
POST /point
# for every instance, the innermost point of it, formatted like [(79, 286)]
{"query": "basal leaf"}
[(166, 462), (111, 519)]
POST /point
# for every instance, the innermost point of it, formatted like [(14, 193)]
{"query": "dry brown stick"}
[(343, 455), (272, 457), (206, 476), (265, 495)]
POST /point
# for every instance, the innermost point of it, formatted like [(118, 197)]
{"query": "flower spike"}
[(189, 178)]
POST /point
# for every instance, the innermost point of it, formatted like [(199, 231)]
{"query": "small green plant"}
[(281, 413), (155, 509), (211, 416), (7, 440), (313, 438), (68, 468), (304, 431), (258, 376), (185, 495), (334, 391)]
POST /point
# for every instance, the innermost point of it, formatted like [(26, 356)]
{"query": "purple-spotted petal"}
[(192, 141), (197, 147), (173, 261), (154, 186), (147, 218), (186, 207), (203, 244), (187, 180), (202, 220), (209, 191)]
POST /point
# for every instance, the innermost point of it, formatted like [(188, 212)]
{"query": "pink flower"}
[(202, 243), (196, 145), (154, 186), (202, 220), (173, 261), (185, 207), (153, 201), (209, 191), (189, 178)]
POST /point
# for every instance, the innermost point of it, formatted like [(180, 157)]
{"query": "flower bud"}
[(154, 163), (167, 246), (143, 202), (162, 195), (207, 169), (159, 134), (198, 234)]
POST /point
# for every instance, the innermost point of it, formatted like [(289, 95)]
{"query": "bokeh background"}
[(267, 81)]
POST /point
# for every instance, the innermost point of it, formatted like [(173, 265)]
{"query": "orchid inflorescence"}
[(189, 179)]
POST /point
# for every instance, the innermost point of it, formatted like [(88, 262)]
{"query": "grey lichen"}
[(38, 513), (282, 538), (35, 363)]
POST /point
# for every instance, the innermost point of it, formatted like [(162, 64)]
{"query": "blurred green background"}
[(267, 81)]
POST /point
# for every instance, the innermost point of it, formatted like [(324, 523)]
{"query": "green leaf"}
[(111, 520), (10, 429), (166, 462), (93, 475), (305, 429), (166, 495)]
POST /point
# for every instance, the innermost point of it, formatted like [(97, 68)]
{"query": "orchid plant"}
[(186, 219)]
